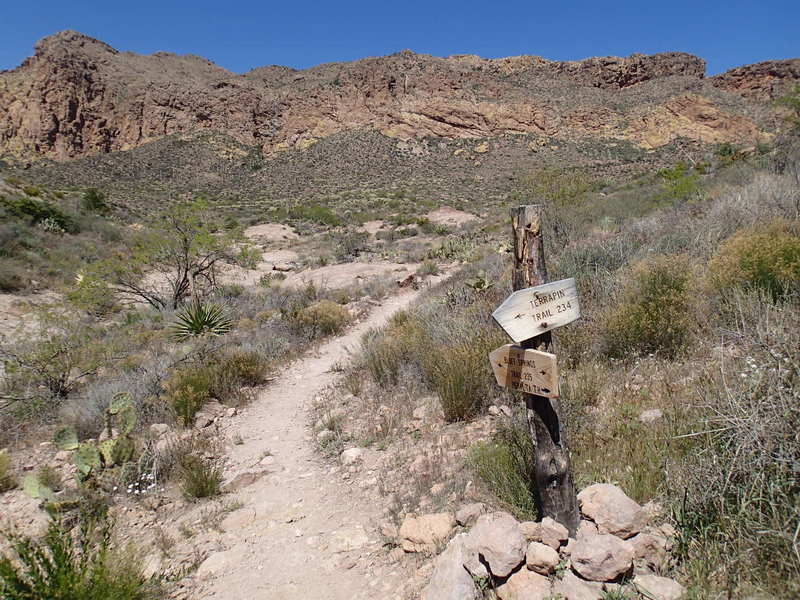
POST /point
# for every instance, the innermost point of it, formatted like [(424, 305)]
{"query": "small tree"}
[(94, 201), (172, 257)]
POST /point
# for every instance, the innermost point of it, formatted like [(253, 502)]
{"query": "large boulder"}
[(659, 588), (450, 580), (612, 510), (572, 587), (426, 533), (650, 549), (553, 533), (525, 585), (496, 541), (541, 558), (601, 557)]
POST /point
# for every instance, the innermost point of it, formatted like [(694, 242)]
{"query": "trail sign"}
[(529, 371), (531, 311)]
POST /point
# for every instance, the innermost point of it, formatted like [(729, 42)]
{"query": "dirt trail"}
[(304, 533)]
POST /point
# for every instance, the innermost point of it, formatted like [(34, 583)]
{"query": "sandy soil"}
[(449, 216), (303, 532)]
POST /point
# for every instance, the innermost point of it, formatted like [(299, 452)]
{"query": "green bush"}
[(324, 317), (765, 257), (654, 314), (39, 211), (62, 567), (186, 391), (94, 201), (505, 465), (7, 479), (680, 182), (385, 351), (200, 477)]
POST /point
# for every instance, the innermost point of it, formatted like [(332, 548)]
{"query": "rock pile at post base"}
[(615, 547)]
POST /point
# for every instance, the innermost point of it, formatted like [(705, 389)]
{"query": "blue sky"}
[(241, 35)]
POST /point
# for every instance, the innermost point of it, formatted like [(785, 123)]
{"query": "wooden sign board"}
[(532, 311), (529, 371)]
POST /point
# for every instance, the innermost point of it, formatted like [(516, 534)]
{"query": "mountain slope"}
[(77, 96)]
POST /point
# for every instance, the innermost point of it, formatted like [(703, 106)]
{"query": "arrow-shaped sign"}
[(532, 311), (529, 371)]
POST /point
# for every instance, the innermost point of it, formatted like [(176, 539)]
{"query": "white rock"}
[(426, 532), (450, 580), (469, 513), (612, 510), (659, 588), (541, 558), (601, 557), (352, 456), (650, 548), (572, 587), (498, 540), (553, 533), (525, 585), (325, 435)]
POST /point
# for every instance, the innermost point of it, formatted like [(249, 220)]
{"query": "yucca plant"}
[(62, 567), (199, 319)]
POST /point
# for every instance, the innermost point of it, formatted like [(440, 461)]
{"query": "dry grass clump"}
[(444, 342), (764, 257), (324, 317), (654, 315)]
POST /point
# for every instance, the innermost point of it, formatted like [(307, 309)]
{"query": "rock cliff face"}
[(77, 96)]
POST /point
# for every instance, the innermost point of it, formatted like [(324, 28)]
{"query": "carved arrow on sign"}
[(532, 311), (529, 371)]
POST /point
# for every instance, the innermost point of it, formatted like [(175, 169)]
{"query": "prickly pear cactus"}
[(66, 439), (87, 459), (34, 488), (126, 419), (120, 402)]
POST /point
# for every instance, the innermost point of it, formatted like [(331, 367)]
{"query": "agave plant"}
[(198, 319)]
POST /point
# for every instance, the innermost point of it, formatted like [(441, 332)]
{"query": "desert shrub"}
[(458, 374), (37, 211), (350, 244), (315, 213), (429, 267), (187, 390), (323, 317), (736, 494), (765, 257), (653, 315), (385, 351), (247, 367), (94, 201), (32, 190), (7, 479), (504, 464), (61, 566), (13, 276), (200, 477), (680, 182)]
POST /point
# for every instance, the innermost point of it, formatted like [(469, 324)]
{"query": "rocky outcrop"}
[(760, 81), (77, 96)]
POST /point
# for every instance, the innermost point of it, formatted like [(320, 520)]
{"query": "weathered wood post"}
[(554, 490)]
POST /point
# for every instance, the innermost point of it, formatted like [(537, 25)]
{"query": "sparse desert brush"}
[(385, 351), (187, 390), (504, 464), (764, 257), (736, 492), (63, 566), (324, 317), (200, 477), (8, 480), (654, 312)]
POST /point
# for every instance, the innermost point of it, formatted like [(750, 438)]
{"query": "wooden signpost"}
[(524, 370), (528, 316), (535, 310)]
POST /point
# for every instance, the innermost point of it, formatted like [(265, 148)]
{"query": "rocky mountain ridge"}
[(77, 96)]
